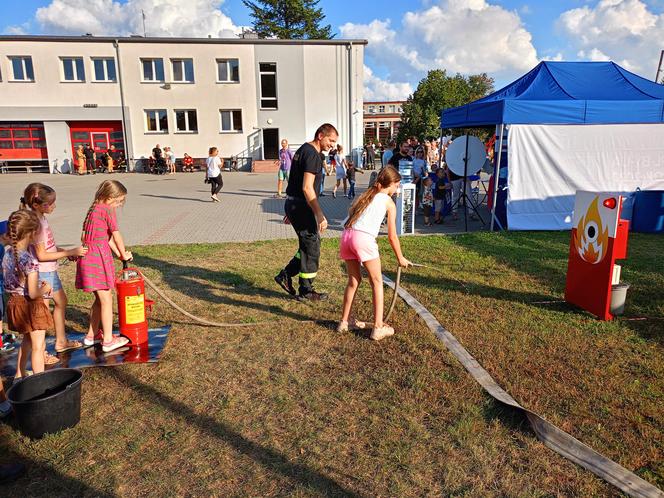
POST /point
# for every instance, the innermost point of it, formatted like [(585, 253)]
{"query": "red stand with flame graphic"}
[(599, 238)]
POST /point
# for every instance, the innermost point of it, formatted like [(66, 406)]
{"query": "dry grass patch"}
[(300, 410)]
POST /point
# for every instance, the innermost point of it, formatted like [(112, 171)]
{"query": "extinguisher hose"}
[(209, 323)]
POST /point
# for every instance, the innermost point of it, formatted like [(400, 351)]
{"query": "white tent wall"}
[(549, 163)]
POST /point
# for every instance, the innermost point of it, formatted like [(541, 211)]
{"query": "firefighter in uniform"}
[(305, 214)]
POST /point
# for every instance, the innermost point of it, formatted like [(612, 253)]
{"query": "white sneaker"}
[(379, 333)]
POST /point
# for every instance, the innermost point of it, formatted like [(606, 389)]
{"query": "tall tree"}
[(289, 19), (438, 91)]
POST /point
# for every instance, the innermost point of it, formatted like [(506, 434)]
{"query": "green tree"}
[(421, 112), (289, 19)]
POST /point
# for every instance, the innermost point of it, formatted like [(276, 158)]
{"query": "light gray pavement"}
[(177, 208)]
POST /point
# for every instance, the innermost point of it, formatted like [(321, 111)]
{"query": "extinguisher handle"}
[(125, 264)]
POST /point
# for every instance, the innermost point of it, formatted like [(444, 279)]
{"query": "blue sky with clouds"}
[(504, 38)]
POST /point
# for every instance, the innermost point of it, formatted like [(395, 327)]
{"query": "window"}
[(381, 108), (156, 121), (104, 69), (393, 108), (72, 69), (22, 68), (183, 70), (186, 121), (153, 69), (228, 70), (385, 124), (231, 121), (372, 109), (268, 72), (399, 110)]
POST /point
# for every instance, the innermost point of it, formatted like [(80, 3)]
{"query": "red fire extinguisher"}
[(132, 304)]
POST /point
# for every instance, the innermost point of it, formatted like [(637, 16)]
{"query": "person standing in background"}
[(80, 160), (285, 159), (90, 159), (213, 173)]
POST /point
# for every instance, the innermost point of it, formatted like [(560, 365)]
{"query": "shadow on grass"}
[(41, 479), (269, 458), (203, 283)]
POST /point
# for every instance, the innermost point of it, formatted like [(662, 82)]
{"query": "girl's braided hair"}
[(36, 193), (107, 190), (21, 224)]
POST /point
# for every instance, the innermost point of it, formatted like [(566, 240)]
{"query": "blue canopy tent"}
[(564, 93)]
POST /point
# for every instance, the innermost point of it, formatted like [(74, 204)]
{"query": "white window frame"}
[(232, 130), (381, 109), (228, 70), (23, 64), (104, 61), (372, 109), (260, 88), (186, 120), (182, 60), (153, 60), (158, 131), (77, 77)]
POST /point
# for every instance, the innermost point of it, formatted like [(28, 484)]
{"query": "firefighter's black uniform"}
[(305, 262)]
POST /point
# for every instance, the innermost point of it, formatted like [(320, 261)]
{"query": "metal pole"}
[(350, 98), (440, 146), (659, 66), (496, 176), (465, 180), (122, 107)]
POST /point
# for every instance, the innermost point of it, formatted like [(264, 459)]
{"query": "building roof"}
[(566, 93), (150, 39)]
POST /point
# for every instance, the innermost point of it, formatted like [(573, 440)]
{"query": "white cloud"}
[(625, 31), (377, 89), (182, 18), (14, 30), (466, 36)]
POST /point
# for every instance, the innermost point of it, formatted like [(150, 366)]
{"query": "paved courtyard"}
[(177, 208)]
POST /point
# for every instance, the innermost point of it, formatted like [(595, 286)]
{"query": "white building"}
[(241, 95)]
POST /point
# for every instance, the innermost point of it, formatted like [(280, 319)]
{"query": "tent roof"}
[(566, 93)]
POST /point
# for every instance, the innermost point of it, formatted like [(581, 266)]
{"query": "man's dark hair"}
[(326, 129)]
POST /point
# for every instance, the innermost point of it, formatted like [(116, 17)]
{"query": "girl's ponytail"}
[(36, 193)]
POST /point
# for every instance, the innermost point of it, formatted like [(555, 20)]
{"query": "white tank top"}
[(370, 220)]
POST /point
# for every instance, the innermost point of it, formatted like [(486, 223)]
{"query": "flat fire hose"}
[(558, 440)]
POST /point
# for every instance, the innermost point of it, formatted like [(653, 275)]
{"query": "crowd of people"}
[(90, 162), (36, 301)]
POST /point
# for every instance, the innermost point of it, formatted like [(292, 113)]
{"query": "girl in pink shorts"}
[(358, 246)]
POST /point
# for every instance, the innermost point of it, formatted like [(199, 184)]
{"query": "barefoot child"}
[(41, 199), (26, 312), (358, 246), (95, 271)]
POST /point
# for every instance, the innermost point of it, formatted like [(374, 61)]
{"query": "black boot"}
[(285, 282)]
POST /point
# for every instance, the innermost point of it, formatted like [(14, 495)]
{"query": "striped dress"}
[(95, 270)]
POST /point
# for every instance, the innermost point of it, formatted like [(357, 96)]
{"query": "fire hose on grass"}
[(556, 439)]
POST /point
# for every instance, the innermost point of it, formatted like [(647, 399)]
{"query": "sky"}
[(407, 38)]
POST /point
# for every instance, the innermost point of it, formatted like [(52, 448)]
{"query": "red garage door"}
[(22, 141), (100, 134)]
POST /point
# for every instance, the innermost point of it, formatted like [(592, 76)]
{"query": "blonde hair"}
[(21, 224), (107, 190), (36, 193), (385, 178)]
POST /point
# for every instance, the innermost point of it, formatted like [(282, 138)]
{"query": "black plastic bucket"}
[(47, 402)]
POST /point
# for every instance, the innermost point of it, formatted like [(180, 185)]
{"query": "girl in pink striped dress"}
[(95, 272)]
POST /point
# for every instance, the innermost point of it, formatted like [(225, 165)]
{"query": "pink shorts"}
[(358, 245)]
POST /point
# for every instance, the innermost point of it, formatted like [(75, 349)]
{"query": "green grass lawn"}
[(300, 410)]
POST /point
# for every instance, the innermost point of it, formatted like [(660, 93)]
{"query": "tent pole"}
[(496, 176), (440, 146)]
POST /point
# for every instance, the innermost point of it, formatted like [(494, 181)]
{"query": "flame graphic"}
[(591, 241)]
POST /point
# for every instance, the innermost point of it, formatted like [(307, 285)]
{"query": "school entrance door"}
[(271, 143)]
